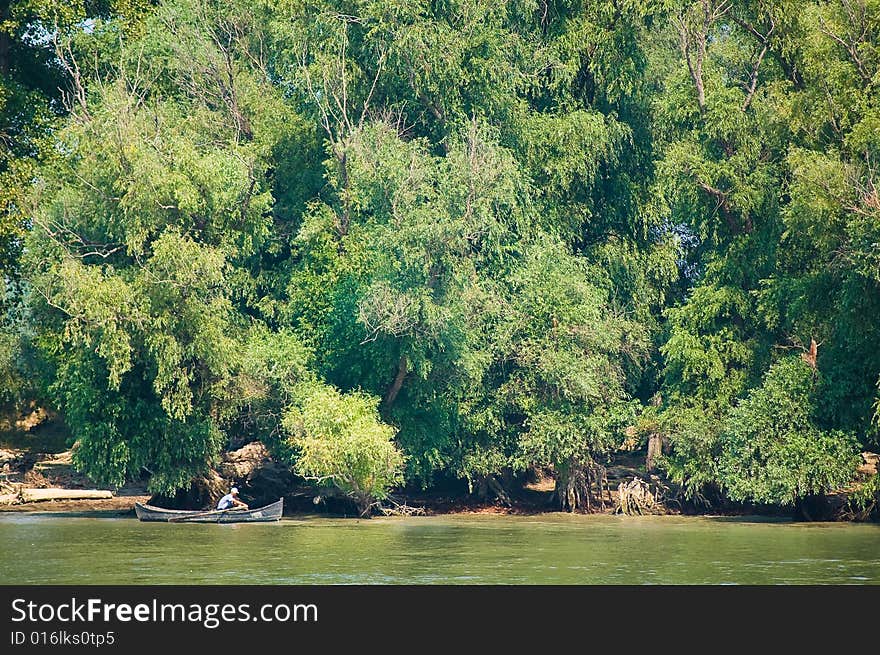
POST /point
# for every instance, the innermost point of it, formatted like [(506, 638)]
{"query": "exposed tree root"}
[(399, 509), (635, 498), (581, 487)]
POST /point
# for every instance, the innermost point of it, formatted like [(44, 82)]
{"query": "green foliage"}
[(491, 230), (340, 439), (770, 183), (864, 500), (567, 347), (121, 431), (771, 448), (143, 225), (695, 448), (13, 385), (35, 92)]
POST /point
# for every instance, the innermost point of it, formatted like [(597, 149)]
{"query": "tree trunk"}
[(489, 484), (574, 487), (364, 505), (655, 450), (402, 371), (635, 498), (342, 158)]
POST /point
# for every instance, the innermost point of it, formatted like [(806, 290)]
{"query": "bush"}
[(693, 429), (771, 449), (339, 438)]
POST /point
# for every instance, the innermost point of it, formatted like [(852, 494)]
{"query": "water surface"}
[(456, 549)]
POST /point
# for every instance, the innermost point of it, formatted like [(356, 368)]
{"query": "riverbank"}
[(23, 468), (116, 506), (122, 506), (36, 457), (533, 499)]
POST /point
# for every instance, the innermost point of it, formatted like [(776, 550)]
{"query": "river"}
[(453, 549)]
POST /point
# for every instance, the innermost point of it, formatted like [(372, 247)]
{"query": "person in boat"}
[(231, 500)]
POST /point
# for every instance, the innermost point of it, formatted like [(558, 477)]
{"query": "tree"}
[(565, 377), (772, 177), (509, 222), (39, 43), (140, 237)]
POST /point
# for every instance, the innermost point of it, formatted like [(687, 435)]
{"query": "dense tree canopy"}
[(459, 238)]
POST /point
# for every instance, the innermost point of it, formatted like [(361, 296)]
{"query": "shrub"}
[(771, 449), (339, 438)]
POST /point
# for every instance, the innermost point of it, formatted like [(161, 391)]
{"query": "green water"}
[(547, 549)]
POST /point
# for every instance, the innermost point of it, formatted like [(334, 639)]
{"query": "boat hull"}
[(270, 512)]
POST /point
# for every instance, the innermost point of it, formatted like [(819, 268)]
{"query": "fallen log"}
[(8, 499), (35, 495)]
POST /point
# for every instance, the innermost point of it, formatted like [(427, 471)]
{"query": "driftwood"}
[(8, 499), (400, 509), (7, 487), (35, 495)]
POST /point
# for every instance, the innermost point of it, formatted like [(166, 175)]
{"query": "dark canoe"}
[(267, 513)]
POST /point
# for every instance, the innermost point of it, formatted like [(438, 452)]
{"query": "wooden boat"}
[(270, 512)]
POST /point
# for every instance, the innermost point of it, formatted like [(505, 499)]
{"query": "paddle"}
[(177, 519)]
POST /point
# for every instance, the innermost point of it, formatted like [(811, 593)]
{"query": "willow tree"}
[(563, 366), (38, 41), (39, 83), (501, 220), (141, 230), (457, 137), (340, 441), (391, 301), (769, 126)]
